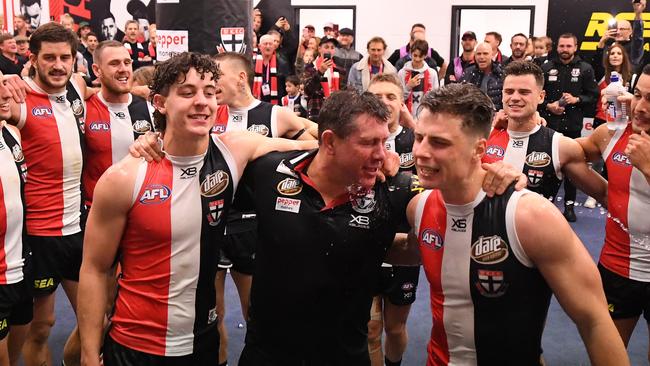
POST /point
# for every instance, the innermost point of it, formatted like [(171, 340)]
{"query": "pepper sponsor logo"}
[(214, 183)]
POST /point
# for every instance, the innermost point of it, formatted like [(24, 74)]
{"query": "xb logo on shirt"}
[(120, 115), (360, 221), (518, 143), (458, 225), (188, 173)]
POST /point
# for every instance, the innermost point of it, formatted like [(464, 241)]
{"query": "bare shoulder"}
[(121, 174)]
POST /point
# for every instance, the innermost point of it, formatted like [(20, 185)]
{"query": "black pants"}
[(569, 188)]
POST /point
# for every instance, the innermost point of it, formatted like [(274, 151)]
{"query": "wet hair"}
[(54, 33), (387, 78), (420, 45), (376, 40), (496, 36), (465, 101), (520, 68), (340, 111), (174, 71), (143, 75), (242, 62), (101, 46)]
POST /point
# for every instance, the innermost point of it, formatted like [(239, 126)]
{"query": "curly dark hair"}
[(465, 101), (174, 71), (341, 109)]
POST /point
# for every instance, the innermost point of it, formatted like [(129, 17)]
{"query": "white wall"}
[(392, 19)]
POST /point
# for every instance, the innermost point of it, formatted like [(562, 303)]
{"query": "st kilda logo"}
[(489, 250), (289, 187), (538, 159), (214, 183)]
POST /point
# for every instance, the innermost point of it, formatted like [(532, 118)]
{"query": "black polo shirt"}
[(317, 264), (9, 67)]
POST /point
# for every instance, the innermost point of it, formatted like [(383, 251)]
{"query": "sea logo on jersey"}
[(261, 129), (155, 194), (406, 160), (77, 108), (366, 203), (490, 283), (289, 187), (621, 159), (495, 151), (141, 126), (214, 183), (41, 111), (535, 177), (431, 239), (17, 152), (489, 250), (100, 126), (538, 159), (216, 209)]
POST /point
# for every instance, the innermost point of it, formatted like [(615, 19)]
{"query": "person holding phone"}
[(417, 77), (630, 35), (322, 77)]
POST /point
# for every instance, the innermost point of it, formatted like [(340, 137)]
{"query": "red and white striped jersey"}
[(110, 129), (53, 154), (11, 209), (168, 251), (627, 232)]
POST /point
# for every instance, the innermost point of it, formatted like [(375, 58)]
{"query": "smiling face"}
[(115, 70), (521, 96), (5, 99), (641, 105)]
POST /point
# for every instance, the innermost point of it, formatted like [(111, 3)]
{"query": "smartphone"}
[(414, 74), (612, 24), (327, 55)]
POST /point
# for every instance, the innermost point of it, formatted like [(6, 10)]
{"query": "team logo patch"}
[(621, 159), (406, 160), (575, 72), (216, 209), (431, 239), (232, 39), (366, 203), (212, 316), (155, 193), (538, 159), (496, 151), (490, 283), (77, 108), (41, 111), (489, 250), (142, 126), (17, 152), (287, 204), (214, 183), (535, 177), (553, 72), (99, 126), (360, 221), (289, 187), (261, 129)]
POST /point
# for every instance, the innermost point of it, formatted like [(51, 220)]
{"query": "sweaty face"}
[(115, 70), (641, 105), (521, 96), (53, 65), (518, 47), (5, 98), (391, 95), (566, 48)]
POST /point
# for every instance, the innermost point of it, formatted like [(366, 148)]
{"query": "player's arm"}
[(289, 125), (500, 176), (574, 166), (572, 275), (594, 144), (103, 232)]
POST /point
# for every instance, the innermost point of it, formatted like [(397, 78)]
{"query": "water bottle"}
[(616, 111)]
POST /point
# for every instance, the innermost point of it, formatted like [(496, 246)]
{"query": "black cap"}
[(469, 34), (329, 40), (346, 32)]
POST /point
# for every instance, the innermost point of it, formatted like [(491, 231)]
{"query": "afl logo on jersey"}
[(214, 183), (496, 151), (538, 159), (41, 111), (364, 204), (141, 126), (621, 159), (100, 126), (261, 129), (431, 239), (489, 250), (154, 194), (406, 160), (289, 187)]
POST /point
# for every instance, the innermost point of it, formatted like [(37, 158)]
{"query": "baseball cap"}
[(84, 24), (346, 32), (469, 34), (309, 26), (329, 40), (329, 25)]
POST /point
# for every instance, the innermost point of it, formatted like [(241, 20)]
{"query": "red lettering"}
[(78, 9)]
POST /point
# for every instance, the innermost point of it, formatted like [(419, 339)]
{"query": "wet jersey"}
[(317, 264), (12, 210), (51, 141), (166, 296), (110, 129), (401, 142), (488, 302), (534, 153), (627, 231)]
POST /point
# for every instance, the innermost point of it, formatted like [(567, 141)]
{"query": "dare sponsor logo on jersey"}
[(495, 151), (489, 250), (538, 159), (154, 194), (431, 239), (99, 126), (535, 177), (216, 209), (214, 183), (365, 203), (261, 129), (360, 221), (141, 126), (490, 283), (287, 204), (621, 159), (41, 111), (289, 187), (406, 160)]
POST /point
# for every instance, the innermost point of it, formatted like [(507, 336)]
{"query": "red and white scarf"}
[(272, 77), (425, 87), (330, 80)]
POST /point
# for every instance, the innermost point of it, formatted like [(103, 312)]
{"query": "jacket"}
[(359, 76), (493, 85)]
